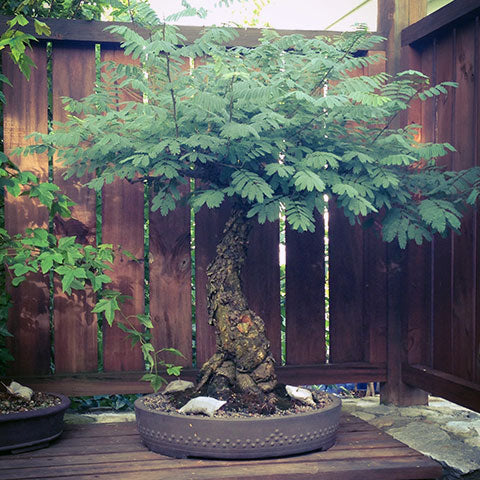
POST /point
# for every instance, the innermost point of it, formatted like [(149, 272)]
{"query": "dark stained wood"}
[(444, 18), (393, 17), (395, 390), (418, 262), (107, 383), (170, 277), (305, 295), (418, 301), (25, 112), (375, 298), (451, 387), (115, 451), (347, 332), (94, 31), (73, 75), (444, 112), (123, 227), (375, 284), (476, 258), (464, 245), (261, 281)]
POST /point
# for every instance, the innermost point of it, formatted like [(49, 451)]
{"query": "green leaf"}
[(17, 281), (108, 306), (308, 180), (250, 185), (283, 171), (145, 320), (212, 198)]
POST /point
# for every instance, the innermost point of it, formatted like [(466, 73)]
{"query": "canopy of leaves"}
[(282, 126)]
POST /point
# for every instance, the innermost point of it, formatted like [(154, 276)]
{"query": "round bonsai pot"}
[(33, 429), (183, 436)]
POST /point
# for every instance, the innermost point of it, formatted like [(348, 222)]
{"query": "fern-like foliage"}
[(277, 126)]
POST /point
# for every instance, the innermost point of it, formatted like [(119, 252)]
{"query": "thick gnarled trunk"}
[(243, 361)]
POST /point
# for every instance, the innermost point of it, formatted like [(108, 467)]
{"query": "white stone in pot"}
[(301, 394), (205, 405), (178, 386), (20, 390)]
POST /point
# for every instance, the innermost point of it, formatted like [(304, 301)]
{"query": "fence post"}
[(393, 16)]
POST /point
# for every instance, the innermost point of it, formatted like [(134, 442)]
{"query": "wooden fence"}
[(442, 301), (357, 268), (410, 317)]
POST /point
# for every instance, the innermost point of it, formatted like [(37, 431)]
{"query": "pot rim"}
[(335, 404), (38, 412)]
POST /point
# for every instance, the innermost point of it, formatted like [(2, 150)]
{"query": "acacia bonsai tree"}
[(281, 127)]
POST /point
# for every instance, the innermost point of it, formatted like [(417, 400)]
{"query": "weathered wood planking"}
[(170, 277), (305, 295), (418, 262), (346, 260), (375, 285), (464, 267), (261, 280), (476, 121), (451, 387), (73, 75), (109, 383), (115, 451), (25, 112), (123, 226), (443, 58)]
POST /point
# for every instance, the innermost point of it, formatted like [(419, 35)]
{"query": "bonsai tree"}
[(281, 127)]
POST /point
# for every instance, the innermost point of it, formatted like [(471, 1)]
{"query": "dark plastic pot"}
[(34, 429), (183, 436)]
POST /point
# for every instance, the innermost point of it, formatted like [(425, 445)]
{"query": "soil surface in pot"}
[(241, 404), (12, 404)]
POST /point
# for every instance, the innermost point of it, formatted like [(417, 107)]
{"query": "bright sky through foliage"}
[(282, 14)]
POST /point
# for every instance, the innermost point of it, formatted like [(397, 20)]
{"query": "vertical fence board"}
[(477, 211), (375, 297), (464, 245), (418, 261), (123, 226), (375, 279), (73, 75), (25, 112), (442, 276), (261, 280), (347, 333), (305, 296), (170, 277)]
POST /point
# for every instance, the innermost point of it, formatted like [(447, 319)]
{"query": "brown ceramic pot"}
[(183, 436), (34, 429)]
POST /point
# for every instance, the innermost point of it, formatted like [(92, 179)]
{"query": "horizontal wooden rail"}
[(105, 383), (443, 384), (92, 31), (457, 11)]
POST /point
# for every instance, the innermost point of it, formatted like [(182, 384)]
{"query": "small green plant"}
[(154, 364), (78, 266)]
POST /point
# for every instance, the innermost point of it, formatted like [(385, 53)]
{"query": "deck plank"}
[(114, 451)]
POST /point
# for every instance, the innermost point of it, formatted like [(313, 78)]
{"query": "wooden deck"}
[(114, 451)]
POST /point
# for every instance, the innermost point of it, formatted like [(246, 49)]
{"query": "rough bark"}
[(242, 361)]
